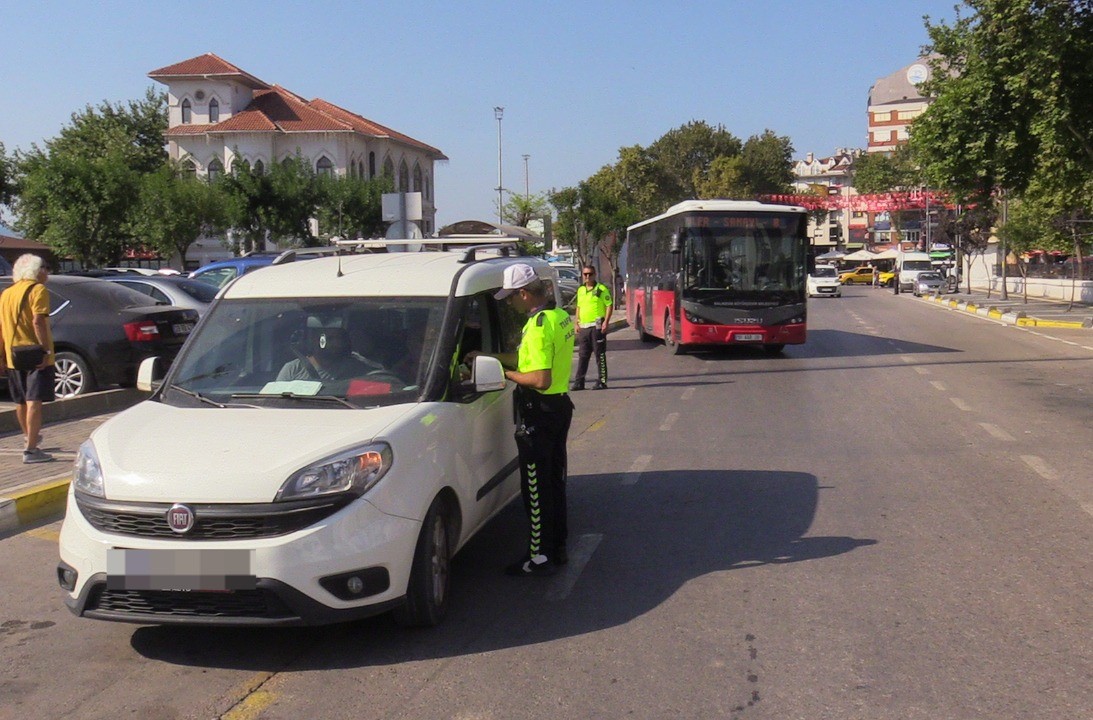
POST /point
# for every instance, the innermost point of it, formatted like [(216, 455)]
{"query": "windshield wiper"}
[(293, 396), (215, 372), (198, 396)]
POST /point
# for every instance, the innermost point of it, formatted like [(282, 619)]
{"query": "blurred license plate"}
[(183, 328), (220, 570), (748, 337)]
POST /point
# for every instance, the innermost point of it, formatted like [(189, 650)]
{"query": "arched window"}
[(214, 111), (259, 167), (239, 164), (324, 166), (428, 188), (371, 165), (389, 168), (287, 162), (216, 169), (417, 179), (189, 167), (187, 112), (403, 177), (360, 169)]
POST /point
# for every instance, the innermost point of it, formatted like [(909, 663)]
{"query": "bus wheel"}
[(676, 348), (774, 348), (642, 335)]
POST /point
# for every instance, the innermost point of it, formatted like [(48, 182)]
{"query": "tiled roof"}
[(367, 127), (204, 66), (275, 109)]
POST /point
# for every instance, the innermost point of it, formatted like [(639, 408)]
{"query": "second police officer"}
[(593, 317)]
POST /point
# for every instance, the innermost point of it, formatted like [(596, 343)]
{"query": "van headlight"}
[(354, 471), (87, 471)]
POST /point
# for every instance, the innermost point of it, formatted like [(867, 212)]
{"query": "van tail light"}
[(141, 331)]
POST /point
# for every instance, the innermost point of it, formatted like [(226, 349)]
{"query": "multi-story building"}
[(894, 101), (219, 114), (842, 228)]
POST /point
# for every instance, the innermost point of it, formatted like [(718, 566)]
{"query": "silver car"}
[(929, 282), (170, 289)]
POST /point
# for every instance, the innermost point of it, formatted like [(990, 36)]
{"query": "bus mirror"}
[(675, 244)]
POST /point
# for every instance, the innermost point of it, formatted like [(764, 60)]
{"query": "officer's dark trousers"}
[(542, 446), (591, 340)]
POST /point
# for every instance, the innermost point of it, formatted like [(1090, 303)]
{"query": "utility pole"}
[(497, 113)]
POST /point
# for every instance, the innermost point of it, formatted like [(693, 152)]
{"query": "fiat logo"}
[(180, 518)]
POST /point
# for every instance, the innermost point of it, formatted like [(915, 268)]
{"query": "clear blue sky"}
[(578, 80)]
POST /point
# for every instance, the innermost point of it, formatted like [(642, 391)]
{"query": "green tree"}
[(767, 161), (76, 194), (726, 178), (880, 173), (521, 209), (174, 210), (683, 157), (296, 197), (351, 207), (1013, 111), (7, 178)]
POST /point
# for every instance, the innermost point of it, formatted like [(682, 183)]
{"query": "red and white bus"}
[(719, 272)]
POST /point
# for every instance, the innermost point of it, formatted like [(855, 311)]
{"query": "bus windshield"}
[(734, 261)]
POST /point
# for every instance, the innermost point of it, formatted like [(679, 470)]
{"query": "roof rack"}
[(504, 248), (295, 253)]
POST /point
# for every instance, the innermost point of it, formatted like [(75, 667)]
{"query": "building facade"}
[(219, 115), (894, 101), (843, 228)]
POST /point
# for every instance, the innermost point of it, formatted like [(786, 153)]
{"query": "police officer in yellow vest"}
[(542, 364), (593, 316)]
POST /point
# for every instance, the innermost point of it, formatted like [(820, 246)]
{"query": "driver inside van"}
[(328, 357)]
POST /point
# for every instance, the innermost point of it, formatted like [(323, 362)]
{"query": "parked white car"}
[(316, 453), (824, 281)]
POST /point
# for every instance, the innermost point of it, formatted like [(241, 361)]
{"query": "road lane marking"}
[(669, 422), (579, 555), (1040, 467), (687, 393), (960, 404), (907, 359), (598, 425), (938, 384), (635, 471), (997, 432), (921, 370), (1088, 507), (48, 534)]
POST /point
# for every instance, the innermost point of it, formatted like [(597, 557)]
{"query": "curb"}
[(97, 403), (36, 503), (1018, 317)]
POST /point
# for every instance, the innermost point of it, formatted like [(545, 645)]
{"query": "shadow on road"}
[(654, 537)]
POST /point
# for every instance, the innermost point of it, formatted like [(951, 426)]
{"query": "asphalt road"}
[(894, 520)]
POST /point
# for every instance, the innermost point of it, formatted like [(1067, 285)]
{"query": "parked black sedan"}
[(102, 331)]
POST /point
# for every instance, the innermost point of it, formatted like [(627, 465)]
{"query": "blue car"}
[(221, 272)]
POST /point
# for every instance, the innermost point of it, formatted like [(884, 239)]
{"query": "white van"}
[(316, 453), (908, 267)]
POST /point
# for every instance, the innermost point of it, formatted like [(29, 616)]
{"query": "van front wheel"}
[(430, 576)]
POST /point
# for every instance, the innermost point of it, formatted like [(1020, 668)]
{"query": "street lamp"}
[(527, 192), (497, 113)]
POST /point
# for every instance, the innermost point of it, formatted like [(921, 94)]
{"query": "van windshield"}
[(917, 265), (306, 352)]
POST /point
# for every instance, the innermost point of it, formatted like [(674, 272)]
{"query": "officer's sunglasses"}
[(587, 274)]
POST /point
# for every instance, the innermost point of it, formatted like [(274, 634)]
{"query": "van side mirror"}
[(675, 243), (487, 374), (150, 374)]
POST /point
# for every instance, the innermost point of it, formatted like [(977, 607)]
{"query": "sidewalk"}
[(29, 493), (1037, 312)]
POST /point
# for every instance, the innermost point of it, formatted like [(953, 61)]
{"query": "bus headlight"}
[(694, 319)]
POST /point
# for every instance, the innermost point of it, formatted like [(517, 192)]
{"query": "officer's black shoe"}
[(577, 385), (599, 386), (560, 556), (530, 568)]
